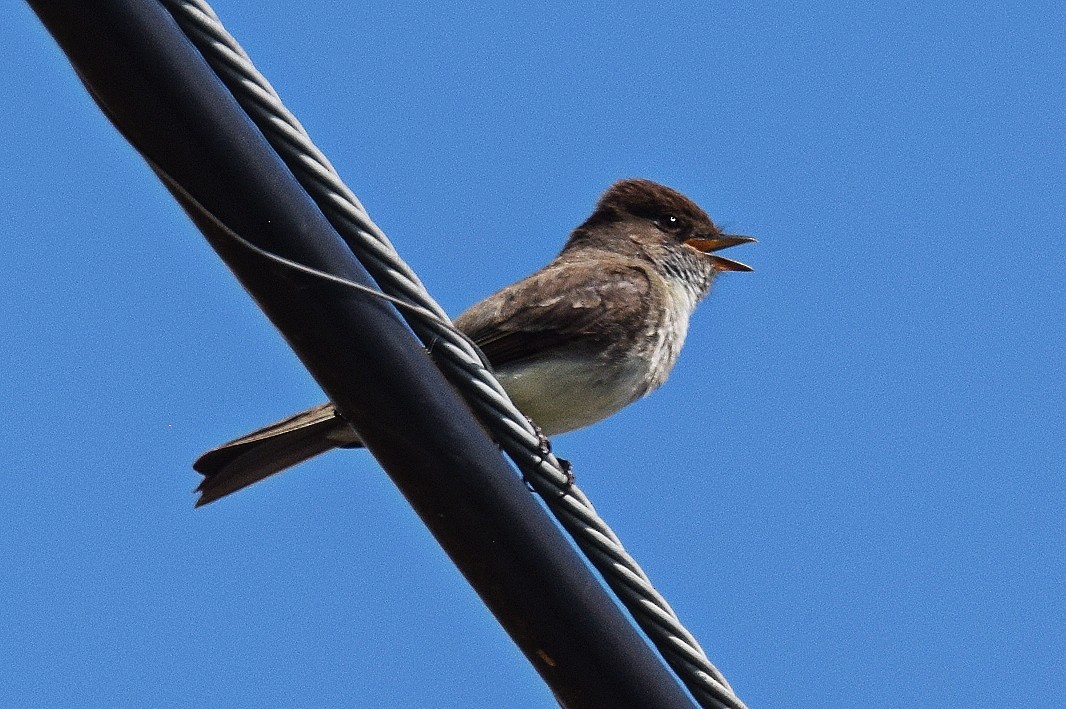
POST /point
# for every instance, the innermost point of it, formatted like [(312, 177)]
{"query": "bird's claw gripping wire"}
[(544, 447), (543, 444)]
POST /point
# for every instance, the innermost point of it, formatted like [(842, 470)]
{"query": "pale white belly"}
[(561, 395), (564, 394)]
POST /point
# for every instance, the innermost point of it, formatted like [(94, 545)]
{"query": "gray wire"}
[(454, 352)]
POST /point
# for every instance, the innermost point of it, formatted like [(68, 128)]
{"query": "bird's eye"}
[(670, 223)]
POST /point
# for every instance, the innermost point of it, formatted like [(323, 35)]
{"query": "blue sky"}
[(851, 489)]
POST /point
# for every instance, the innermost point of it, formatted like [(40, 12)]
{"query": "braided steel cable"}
[(459, 358)]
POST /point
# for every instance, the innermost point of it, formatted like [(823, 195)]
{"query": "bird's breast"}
[(565, 392), (666, 333), (562, 393)]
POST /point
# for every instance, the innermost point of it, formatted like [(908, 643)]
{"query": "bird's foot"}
[(543, 444), (568, 471), (544, 447)]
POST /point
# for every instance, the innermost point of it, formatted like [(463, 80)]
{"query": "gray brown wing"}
[(579, 304)]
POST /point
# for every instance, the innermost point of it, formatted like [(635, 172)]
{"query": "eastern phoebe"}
[(593, 331)]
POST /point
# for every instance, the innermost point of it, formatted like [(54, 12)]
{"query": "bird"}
[(594, 330)]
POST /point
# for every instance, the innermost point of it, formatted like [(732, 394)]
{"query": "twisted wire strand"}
[(460, 359)]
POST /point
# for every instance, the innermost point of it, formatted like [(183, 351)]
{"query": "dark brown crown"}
[(650, 200)]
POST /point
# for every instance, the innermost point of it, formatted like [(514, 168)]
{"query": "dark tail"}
[(270, 450)]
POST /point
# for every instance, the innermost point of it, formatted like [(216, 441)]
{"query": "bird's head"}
[(660, 222)]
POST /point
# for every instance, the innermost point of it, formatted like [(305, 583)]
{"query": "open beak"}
[(709, 246)]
